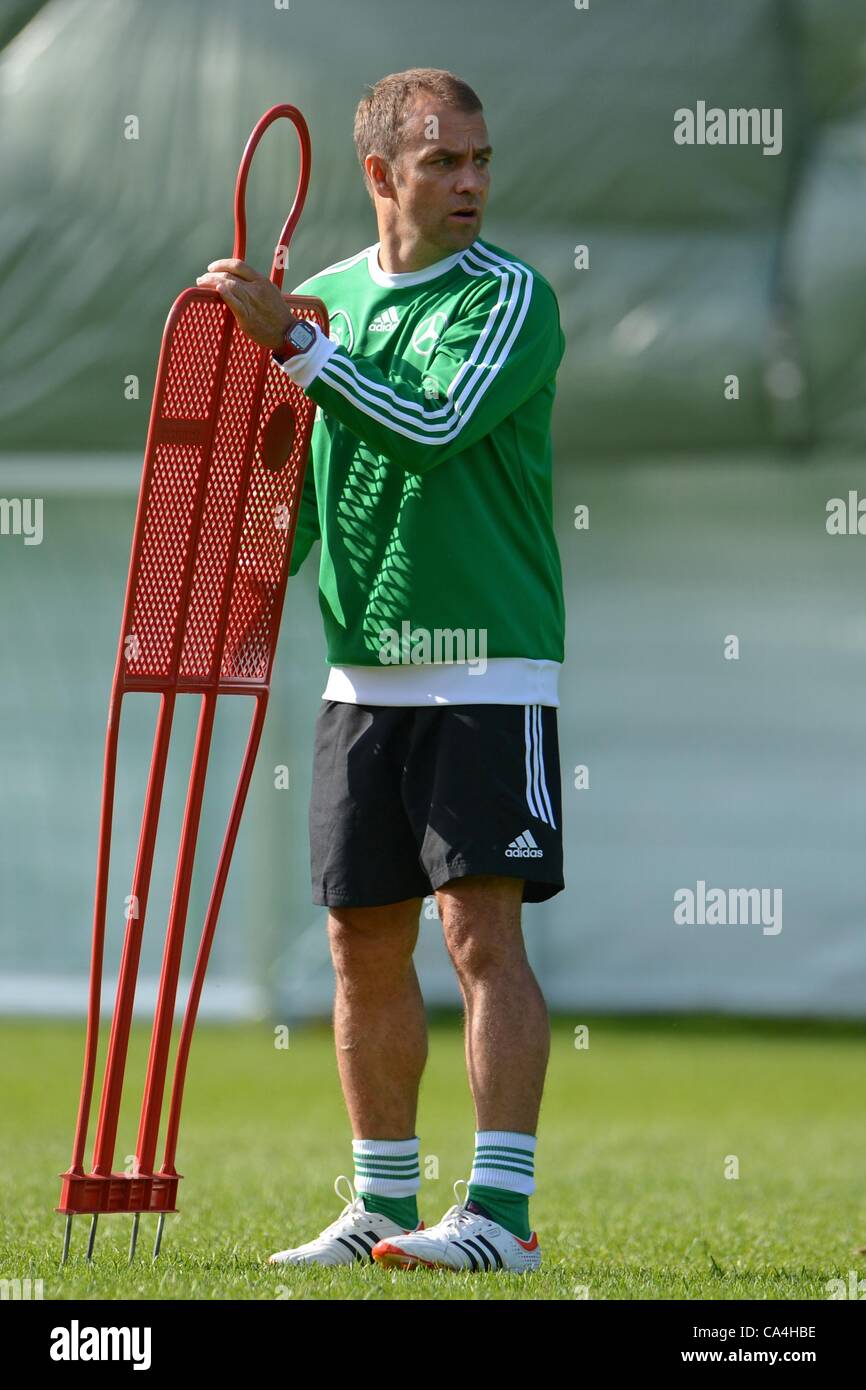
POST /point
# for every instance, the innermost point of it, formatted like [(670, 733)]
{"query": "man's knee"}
[(373, 939), (480, 917)]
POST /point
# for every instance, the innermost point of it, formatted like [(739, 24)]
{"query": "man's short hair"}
[(381, 115)]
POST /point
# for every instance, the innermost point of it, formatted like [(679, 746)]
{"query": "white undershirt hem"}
[(506, 680)]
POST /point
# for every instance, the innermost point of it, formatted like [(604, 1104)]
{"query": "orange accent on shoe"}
[(390, 1255), (531, 1244)]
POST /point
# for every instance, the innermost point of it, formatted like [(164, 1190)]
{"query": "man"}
[(436, 761)]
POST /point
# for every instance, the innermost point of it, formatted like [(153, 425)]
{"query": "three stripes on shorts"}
[(537, 798)]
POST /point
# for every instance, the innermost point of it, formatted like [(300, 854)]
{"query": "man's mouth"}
[(465, 214)]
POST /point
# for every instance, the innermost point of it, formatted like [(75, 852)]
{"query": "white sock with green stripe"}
[(503, 1178), (388, 1175)]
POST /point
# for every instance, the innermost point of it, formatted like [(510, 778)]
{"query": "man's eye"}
[(449, 159)]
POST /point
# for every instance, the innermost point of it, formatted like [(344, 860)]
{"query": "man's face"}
[(440, 180)]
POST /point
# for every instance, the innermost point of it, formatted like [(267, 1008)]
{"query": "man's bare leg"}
[(507, 1037), (380, 1027), (380, 1030), (507, 1030)]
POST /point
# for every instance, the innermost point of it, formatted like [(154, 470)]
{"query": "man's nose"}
[(470, 179)]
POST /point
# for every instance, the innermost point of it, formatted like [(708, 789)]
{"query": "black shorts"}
[(407, 797)]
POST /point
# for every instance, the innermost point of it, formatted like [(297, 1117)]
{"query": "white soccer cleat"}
[(461, 1240), (347, 1240)]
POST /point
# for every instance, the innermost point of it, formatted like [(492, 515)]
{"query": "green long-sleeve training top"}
[(429, 481)]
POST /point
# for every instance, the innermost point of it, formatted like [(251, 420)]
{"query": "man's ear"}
[(379, 176)]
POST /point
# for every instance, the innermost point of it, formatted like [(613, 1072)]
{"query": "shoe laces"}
[(458, 1216), (354, 1205)]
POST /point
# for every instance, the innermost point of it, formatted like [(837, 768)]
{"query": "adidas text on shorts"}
[(406, 798)]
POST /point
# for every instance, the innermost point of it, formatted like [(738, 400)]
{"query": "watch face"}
[(302, 336)]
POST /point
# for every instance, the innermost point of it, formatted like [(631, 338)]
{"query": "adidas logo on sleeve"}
[(524, 847)]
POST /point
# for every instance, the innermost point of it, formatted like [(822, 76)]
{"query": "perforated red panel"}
[(194, 361), (267, 516), (221, 483), (222, 500), (169, 523)]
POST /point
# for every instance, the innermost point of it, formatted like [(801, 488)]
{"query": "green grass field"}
[(631, 1199)]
